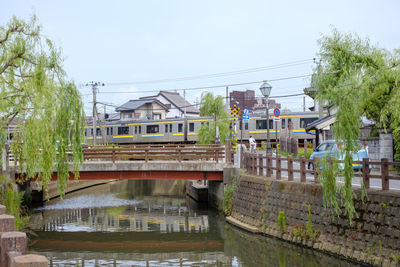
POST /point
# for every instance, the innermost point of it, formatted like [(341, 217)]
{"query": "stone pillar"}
[(29, 260), (386, 145), (7, 223), (11, 241), (2, 209)]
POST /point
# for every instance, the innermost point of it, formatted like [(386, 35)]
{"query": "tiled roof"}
[(178, 101), (135, 104)]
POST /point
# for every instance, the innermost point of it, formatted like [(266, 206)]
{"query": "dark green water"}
[(152, 223)]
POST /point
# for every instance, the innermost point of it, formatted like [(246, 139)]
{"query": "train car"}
[(256, 126), (179, 130)]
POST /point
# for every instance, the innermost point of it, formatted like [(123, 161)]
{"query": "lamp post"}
[(266, 90)]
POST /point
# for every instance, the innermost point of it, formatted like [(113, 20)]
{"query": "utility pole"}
[(184, 97), (94, 91), (304, 104), (227, 98)]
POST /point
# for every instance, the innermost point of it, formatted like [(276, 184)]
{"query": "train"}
[(184, 130)]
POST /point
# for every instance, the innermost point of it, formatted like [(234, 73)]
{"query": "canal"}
[(152, 223)]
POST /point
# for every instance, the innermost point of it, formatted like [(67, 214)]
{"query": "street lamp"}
[(266, 90)]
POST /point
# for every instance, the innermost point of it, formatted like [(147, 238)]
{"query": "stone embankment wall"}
[(13, 245), (373, 238)]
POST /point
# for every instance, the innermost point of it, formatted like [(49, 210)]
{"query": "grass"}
[(300, 152)]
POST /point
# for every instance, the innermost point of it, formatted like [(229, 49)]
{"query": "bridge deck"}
[(187, 170)]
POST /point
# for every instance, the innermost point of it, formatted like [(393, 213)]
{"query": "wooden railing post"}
[(179, 150), (228, 151), (253, 164), (260, 165), (113, 154), (385, 173), (278, 167), (269, 164), (315, 170), (146, 154), (302, 169), (290, 168), (365, 172)]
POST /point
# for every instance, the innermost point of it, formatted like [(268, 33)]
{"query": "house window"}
[(123, 130), (283, 123), (191, 127), (127, 115), (180, 127), (156, 116), (152, 129)]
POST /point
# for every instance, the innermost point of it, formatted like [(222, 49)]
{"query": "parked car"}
[(332, 149)]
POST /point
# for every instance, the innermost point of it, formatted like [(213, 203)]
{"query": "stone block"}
[(11, 255), (11, 241), (29, 260), (2, 209), (7, 223)]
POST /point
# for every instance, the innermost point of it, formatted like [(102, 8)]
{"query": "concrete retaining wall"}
[(373, 238), (13, 245)]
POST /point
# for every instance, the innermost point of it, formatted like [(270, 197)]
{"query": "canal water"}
[(152, 223)]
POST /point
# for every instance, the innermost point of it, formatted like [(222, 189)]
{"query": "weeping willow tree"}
[(39, 104), (356, 79), (214, 108)]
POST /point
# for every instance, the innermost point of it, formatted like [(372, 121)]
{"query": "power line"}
[(217, 75), (207, 87)]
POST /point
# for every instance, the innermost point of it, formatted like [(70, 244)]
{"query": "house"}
[(151, 109), (177, 105)]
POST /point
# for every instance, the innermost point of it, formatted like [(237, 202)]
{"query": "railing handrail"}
[(254, 164)]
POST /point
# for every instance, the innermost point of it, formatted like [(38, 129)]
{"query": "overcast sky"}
[(131, 41)]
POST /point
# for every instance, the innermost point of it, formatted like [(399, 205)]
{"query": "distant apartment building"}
[(247, 100)]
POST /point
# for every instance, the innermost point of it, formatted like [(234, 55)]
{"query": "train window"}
[(135, 129), (305, 121), (98, 132), (123, 130), (283, 124), (85, 132), (261, 124), (108, 131), (166, 128), (170, 128), (180, 127), (10, 136), (290, 124), (191, 127), (240, 125), (271, 124), (246, 125), (152, 129), (140, 129), (91, 132)]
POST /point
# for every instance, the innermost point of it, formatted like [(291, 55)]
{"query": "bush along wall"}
[(295, 212)]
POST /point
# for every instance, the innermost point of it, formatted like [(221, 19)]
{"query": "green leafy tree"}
[(357, 79), (38, 101), (214, 108)]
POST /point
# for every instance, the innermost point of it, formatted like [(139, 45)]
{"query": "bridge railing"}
[(258, 164), (155, 152)]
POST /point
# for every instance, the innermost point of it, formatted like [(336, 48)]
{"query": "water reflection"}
[(151, 223)]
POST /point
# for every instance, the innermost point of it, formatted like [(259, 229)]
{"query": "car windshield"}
[(325, 147)]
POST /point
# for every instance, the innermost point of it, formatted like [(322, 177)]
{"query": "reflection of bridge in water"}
[(140, 217)]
